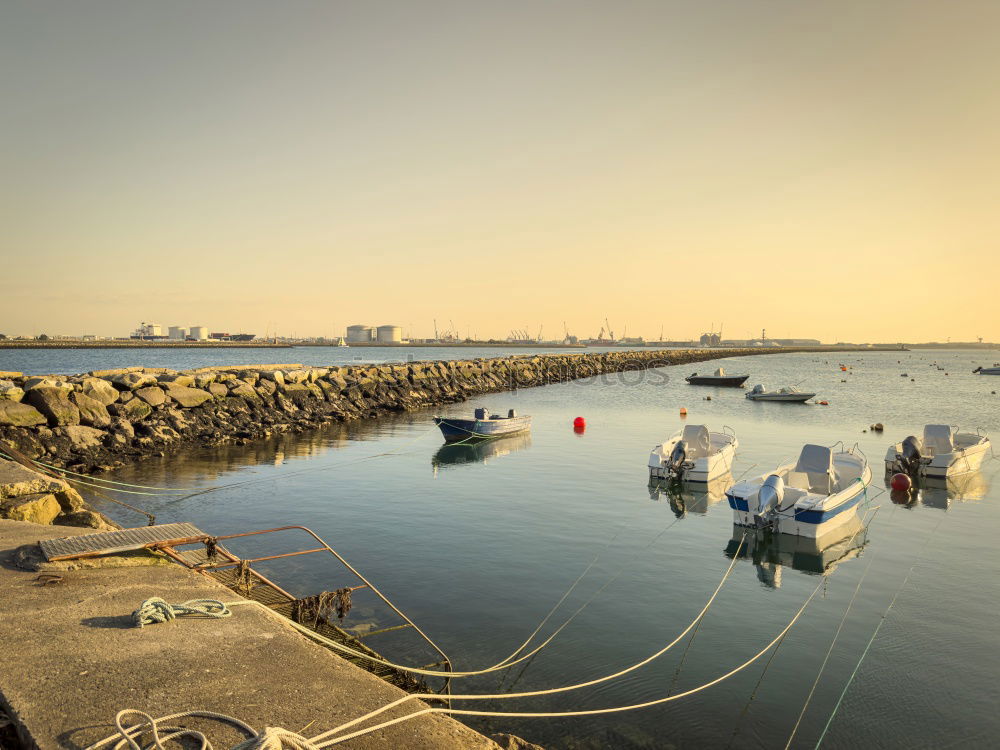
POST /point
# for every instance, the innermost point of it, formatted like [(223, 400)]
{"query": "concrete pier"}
[(71, 659)]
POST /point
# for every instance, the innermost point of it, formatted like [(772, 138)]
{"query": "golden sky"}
[(819, 169)]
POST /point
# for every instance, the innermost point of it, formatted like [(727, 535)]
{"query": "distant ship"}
[(243, 337)]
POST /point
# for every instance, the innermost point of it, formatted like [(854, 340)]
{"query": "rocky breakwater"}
[(27, 495), (102, 419)]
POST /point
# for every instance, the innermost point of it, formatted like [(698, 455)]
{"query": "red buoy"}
[(579, 422), (900, 482)]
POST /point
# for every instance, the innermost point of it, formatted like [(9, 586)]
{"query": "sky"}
[(818, 169)]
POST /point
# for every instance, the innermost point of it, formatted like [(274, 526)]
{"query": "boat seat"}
[(814, 470), (696, 440), (938, 439)]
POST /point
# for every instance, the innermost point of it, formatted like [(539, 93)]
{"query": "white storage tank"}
[(360, 334), (199, 333), (389, 335), (178, 333)]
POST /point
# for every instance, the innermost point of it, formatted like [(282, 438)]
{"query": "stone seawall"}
[(105, 418)]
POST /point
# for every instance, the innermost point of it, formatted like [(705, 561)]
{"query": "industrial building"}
[(389, 335), (177, 333), (360, 334)]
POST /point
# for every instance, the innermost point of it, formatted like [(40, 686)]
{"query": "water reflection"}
[(941, 493), (770, 553), (455, 454), (690, 497)]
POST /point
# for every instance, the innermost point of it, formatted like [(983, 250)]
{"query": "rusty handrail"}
[(446, 661)]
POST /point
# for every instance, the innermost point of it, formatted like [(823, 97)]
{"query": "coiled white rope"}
[(156, 610)]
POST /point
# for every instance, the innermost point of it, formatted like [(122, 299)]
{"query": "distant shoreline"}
[(137, 344)]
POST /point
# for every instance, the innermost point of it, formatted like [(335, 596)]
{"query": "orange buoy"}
[(684, 412), (823, 403)]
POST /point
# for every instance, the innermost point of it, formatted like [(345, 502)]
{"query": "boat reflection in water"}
[(941, 493), (693, 497), (480, 452), (771, 552)]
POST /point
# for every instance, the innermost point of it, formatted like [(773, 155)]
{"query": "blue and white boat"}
[(483, 427), (810, 497)]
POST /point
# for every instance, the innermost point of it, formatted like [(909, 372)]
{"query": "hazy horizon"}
[(826, 170)]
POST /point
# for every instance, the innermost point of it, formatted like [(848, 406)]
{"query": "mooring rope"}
[(276, 739), (156, 610), (922, 549), (547, 714), (507, 662), (89, 476)]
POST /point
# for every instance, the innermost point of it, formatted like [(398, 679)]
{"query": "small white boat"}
[(694, 455), (942, 452), (810, 497), (787, 393)]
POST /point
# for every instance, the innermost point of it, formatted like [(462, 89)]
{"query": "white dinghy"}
[(694, 455), (787, 393), (810, 497), (942, 452)]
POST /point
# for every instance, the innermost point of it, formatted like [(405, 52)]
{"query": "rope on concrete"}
[(155, 610), (272, 738)]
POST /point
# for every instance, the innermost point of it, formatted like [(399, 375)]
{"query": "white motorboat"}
[(787, 393), (694, 455), (942, 452), (995, 370), (810, 497)]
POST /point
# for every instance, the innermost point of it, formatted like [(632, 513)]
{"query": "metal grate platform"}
[(110, 542)]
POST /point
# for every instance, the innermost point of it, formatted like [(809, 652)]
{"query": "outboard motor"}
[(676, 461), (482, 413), (909, 457), (769, 499)]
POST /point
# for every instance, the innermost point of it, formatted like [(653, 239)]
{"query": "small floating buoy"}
[(684, 412), (823, 403), (579, 422), (900, 482), (708, 398)]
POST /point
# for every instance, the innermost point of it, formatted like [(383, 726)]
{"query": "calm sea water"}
[(476, 546), (73, 361)]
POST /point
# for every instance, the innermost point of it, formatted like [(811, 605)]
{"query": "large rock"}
[(218, 390), (179, 379), (152, 395), (202, 379), (188, 397), (40, 508), (133, 410), (92, 411), (82, 438), (296, 376), (54, 403), (15, 414), (99, 389), (69, 500), (133, 380), (10, 390), (87, 519), (17, 480), (46, 382), (244, 390), (276, 376)]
